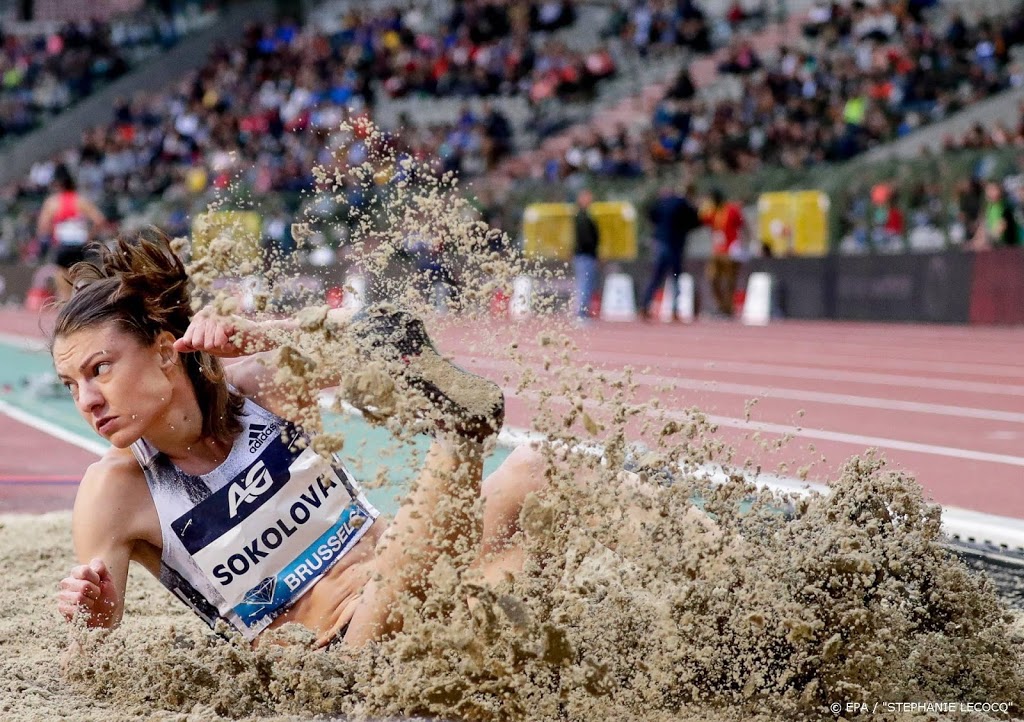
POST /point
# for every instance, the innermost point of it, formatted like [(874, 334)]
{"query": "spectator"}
[(498, 132), (970, 195), (552, 15), (682, 87), (1018, 215), (64, 222), (586, 268), (998, 225), (888, 226), (672, 217), (727, 250), (742, 60)]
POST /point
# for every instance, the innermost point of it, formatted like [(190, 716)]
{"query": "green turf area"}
[(370, 452)]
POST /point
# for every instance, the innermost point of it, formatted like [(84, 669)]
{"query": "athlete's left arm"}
[(230, 336), (258, 347)]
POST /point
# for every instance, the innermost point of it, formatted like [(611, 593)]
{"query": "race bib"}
[(267, 536), (71, 233)]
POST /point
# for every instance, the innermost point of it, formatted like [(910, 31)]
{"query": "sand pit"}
[(850, 601)]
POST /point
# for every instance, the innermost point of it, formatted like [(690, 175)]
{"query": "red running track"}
[(944, 403)]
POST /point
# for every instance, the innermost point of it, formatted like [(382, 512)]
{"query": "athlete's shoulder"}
[(113, 499), (116, 475), (120, 462), (253, 377)]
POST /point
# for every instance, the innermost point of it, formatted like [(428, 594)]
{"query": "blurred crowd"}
[(984, 209), (265, 108), (863, 74), (484, 48), (651, 26), (263, 113), (43, 73)]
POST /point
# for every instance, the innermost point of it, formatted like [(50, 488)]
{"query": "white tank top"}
[(245, 541)]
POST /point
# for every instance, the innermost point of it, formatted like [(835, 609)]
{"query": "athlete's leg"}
[(529, 469), (437, 519), (503, 493), (620, 512)]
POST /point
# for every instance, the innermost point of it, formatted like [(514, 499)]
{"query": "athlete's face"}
[(120, 385)]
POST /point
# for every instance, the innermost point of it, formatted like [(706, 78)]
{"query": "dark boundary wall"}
[(919, 287), (931, 287), (948, 287), (912, 287)]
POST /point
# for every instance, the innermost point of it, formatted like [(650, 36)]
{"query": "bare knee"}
[(524, 471), (504, 491), (528, 456)]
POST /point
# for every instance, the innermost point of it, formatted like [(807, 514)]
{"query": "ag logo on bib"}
[(257, 481)]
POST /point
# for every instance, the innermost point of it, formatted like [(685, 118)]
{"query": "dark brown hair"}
[(142, 286)]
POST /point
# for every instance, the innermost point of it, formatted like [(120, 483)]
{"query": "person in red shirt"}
[(727, 225), (66, 223)]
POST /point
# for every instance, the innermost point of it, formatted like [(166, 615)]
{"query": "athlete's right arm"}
[(105, 529)]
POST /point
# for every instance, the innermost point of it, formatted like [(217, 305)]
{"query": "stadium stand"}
[(260, 114), (49, 66), (861, 76), (268, 104)]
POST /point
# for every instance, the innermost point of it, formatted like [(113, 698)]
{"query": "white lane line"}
[(24, 343), (825, 356), (861, 440), (858, 440), (826, 360), (804, 372), (775, 392), (47, 427), (869, 402), (639, 361)]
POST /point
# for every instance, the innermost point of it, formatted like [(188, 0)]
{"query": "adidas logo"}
[(258, 434)]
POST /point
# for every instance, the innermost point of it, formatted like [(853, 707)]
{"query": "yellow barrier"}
[(794, 223), (616, 224), (241, 229), (549, 230)]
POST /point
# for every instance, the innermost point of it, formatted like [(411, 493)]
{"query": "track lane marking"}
[(782, 393)]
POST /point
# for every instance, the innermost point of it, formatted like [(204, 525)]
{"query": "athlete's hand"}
[(224, 336), (89, 589)]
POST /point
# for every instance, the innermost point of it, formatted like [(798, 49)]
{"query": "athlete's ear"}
[(165, 346)]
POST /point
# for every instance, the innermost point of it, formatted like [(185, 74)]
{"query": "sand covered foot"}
[(465, 403)]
